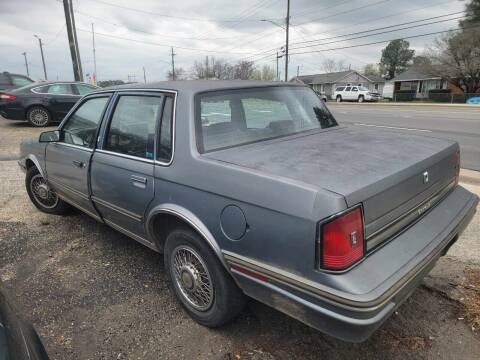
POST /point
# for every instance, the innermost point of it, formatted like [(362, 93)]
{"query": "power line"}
[(344, 12), (378, 33), (168, 16), (371, 30), (382, 41), (159, 44)]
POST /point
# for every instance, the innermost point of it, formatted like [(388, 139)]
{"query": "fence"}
[(437, 97)]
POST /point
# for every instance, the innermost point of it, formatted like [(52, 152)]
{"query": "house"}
[(420, 82), (327, 82)]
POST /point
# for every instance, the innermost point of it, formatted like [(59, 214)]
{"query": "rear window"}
[(234, 117), (340, 88)]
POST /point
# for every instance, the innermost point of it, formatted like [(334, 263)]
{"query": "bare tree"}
[(456, 58), (244, 70), (265, 73), (371, 69), (180, 74), (212, 68), (331, 65)]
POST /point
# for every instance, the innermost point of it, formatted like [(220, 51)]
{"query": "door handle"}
[(138, 179), (78, 164)]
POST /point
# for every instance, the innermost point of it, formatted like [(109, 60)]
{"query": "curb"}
[(470, 177)]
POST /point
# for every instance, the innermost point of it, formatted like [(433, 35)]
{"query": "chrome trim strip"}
[(118, 209), (73, 146), (69, 189), (73, 203), (401, 223), (131, 157), (132, 235), (326, 294)]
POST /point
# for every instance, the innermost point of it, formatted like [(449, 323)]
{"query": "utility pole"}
[(173, 65), (94, 58), (286, 39), (277, 67), (144, 75), (298, 70), (206, 72), (26, 63), (72, 40), (43, 58)]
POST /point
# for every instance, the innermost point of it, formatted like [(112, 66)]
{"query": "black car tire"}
[(227, 300), (44, 199), (361, 99), (38, 116), (339, 98)]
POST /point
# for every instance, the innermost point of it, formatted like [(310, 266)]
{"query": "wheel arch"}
[(164, 218), (31, 160), (27, 109)]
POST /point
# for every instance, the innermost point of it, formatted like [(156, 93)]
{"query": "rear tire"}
[(199, 281), (38, 116), (339, 98), (42, 196)]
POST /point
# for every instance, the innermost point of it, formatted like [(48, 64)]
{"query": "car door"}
[(68, 161), (122, 173), (347, 93), (354, 93), (61, 99)]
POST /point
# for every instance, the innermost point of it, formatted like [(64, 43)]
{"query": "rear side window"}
[(60, 89), (340, 88), (82, 125), (132, 128), (165, 146), (18, 80), (41, 89)]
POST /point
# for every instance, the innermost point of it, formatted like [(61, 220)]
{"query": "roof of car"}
[(196, 86)]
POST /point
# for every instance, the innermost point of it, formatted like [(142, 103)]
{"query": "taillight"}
[(341, 241), (9, 97), (457, 166)]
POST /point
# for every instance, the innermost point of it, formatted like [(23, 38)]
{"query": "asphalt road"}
[(460, 124)]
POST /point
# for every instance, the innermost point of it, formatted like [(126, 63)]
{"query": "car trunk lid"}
[(390, 173)]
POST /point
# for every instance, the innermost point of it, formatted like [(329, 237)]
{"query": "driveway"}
[(92, 293)]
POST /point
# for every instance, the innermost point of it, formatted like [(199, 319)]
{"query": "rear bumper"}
[(356, 315)]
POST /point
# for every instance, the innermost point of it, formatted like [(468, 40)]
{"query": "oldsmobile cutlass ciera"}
[(253, 188)]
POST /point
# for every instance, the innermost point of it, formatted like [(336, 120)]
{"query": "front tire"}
[(199, 280), (42, 196), (361, 99), (38, 116), (339, 99)]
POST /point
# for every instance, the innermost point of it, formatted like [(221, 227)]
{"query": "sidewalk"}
[(447, 105)]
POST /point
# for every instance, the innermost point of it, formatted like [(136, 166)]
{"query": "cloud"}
[(202, 30)]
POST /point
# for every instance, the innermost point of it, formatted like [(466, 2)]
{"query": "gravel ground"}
[(92, 293)]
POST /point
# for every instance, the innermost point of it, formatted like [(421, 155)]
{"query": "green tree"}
[(396, 57), (472, 14)]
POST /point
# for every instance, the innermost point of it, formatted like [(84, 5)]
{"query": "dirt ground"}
[(92, 293)]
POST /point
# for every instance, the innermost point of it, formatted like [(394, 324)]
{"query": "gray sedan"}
[(253, 188)]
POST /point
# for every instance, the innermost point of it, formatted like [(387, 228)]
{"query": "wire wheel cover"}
[(44, 195), (192, 278)]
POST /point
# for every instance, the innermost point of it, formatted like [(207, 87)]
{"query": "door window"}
[(354, 88), (60, 89), (132, 128), (82, 125), (84, 89), (348, 88), (165, 142)]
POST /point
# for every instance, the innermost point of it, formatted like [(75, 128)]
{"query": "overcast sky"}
[(231, 30)]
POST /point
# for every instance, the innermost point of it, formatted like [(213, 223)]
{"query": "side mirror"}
[(49, 136)]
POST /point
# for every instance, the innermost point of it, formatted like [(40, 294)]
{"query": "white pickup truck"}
[(354, 93)]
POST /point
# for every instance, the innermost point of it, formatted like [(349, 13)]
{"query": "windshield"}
[(363, 88), (235, 117)]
